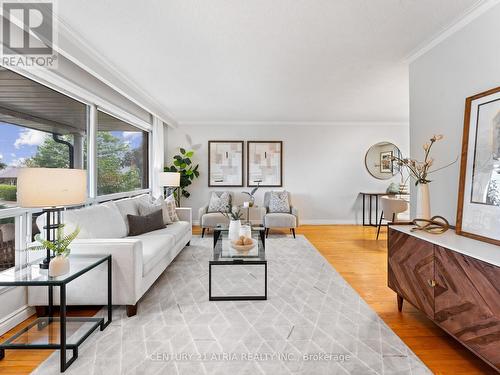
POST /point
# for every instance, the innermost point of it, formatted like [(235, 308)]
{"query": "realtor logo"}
[(28, 34)]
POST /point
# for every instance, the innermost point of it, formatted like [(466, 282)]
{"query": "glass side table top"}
[(225, 252), (32, 274)]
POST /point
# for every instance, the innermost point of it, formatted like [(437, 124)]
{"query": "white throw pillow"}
[(170, 207), (279, 202), (160, 203), (99, 221), (219, 203)]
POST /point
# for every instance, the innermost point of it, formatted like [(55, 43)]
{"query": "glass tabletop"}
[(225, 228), (226, 250), (32, 274)]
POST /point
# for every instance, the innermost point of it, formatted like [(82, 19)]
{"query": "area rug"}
[(312, 323)]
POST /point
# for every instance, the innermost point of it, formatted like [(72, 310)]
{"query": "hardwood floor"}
[(362, 261)]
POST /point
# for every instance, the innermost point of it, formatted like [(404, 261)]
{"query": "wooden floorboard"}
[(362, 261)]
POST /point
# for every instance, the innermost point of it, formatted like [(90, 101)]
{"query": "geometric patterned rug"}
[(313, 322)]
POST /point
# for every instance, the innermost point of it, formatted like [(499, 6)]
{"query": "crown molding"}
[(293, 123), (98, 66), (479, 8)]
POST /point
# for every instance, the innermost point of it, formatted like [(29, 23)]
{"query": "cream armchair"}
[(209, 220), (280, 219)]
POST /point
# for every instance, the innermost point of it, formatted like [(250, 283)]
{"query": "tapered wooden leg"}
[(202, 232), (293, 231), (131, 310), (400, 302), (41, 311)]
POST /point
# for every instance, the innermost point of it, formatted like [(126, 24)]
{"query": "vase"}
[(234, 230), (59, 265), (423, 202)]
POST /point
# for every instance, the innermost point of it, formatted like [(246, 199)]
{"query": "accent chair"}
[(280, 219)]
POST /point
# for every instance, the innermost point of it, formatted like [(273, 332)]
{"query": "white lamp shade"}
[(170, 179), (51, 187)]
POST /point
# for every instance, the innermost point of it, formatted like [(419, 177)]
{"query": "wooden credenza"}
[(453, 280)]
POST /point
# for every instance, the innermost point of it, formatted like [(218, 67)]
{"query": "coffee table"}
[(225, 255)]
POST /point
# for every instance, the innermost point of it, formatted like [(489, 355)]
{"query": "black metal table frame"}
[(43, 322), (217, 232), (370, 211)]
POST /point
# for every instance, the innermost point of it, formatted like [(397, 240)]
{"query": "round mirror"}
[(378, 160)]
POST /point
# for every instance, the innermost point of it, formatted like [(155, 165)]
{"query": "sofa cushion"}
[(210, 220), (143, 224), (154, 248), (99, 221), (130, 206), (177, 230), (280, 220)]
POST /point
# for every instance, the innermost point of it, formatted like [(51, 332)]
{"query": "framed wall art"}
[(478, 214), (225, 163), (386, 162), (265, 163)]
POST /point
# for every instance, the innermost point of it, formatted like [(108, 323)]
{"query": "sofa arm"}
[(202, 211), (185, 214), (126, 254), (295, 212)]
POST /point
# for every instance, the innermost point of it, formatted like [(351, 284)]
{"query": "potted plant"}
[(182, 164), (251, 194), (59, 265), (234, 216)]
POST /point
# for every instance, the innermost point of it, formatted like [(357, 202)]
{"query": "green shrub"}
[(8, 192)]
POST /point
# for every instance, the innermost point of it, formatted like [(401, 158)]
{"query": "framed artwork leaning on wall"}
[(478, 213), (265, 163), (225, 163)]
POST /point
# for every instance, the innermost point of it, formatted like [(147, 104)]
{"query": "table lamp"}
[(51, 189), (169, 180)]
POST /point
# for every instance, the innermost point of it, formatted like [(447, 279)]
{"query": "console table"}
[(370, 197), (452, 279)]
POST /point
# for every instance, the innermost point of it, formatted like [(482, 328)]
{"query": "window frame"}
[(23, 216)]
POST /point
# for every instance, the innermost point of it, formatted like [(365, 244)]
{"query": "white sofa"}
[(136, 261)]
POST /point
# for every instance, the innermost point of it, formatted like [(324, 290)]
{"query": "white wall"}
[(323, 164), (465, 64)]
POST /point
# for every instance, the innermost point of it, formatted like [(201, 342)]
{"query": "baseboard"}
[(16, 317), (315, 222)]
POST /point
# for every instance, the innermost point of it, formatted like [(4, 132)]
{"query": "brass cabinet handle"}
[(432, 283)]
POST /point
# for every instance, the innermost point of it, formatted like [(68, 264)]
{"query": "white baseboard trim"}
[(316, 222), (328, 222), (16, 317)]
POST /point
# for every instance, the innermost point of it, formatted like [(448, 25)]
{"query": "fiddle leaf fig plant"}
[(183, 165), (60, 246)]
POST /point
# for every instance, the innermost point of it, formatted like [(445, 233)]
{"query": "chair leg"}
[(131, 310), (380, 223), (267, 232), (202, 232), (293, 231)]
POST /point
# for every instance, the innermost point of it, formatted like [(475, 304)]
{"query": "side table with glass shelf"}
[(73, 331)]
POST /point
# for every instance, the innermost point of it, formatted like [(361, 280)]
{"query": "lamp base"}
[(45, 264)]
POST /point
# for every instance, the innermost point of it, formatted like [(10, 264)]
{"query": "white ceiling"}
[(266, 60)]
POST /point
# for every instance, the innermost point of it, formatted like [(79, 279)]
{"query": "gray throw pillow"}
[(278, 202), (219, 203), (144, 224)]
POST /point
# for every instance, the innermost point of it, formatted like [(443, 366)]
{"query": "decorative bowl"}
[(243, 248)]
